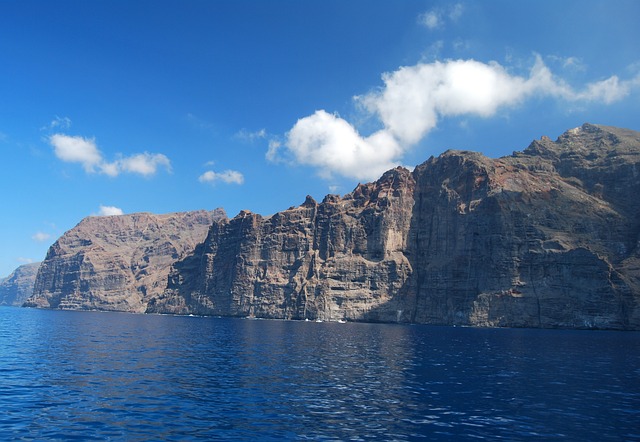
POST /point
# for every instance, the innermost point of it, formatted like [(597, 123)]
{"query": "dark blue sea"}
[(113, 376)]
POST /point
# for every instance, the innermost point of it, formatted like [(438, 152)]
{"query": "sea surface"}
[(68, 375)]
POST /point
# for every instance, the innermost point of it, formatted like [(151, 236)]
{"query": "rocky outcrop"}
[(117, 262), (543, 238), (547, 237), (18, 286), (334, 260)]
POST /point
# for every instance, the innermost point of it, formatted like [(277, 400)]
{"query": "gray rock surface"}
[(334, 260), (117, 262), (547, 237), (18, 286)]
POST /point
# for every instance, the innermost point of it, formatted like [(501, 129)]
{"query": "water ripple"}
[(100, 376)]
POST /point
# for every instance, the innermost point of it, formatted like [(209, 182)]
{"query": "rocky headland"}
[(16, 288), (117, 262), (547, 237)]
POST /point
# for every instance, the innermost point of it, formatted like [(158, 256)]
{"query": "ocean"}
[(68, 375)]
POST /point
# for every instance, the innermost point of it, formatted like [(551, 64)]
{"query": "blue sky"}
[(115, 106)]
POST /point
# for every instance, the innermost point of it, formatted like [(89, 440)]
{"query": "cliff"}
[(18, 286), (334, 260), (547, 237), (117, 262)]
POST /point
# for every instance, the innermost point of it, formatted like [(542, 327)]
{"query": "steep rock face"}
[(535, 239), (335, 260), (18, 286), (548, 237), (117, 262)]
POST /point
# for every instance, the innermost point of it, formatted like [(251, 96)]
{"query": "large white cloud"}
[(77, 149), (334, 146), (412, 102)]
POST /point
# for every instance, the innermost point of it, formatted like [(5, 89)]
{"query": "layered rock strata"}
[(117, 262), (335, 260), (18, 286), (548, 237)]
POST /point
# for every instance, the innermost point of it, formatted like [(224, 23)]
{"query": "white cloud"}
[(250, 137), (77, 149), (228, 176), (437, 17), (607, 91), (456, 11), (331, 144), (109, 211), (111, 169), (412, 102), (40, 236), (273, 151), (568, 63), (144, 163), (24, 260), (58, 123), (430, 19)]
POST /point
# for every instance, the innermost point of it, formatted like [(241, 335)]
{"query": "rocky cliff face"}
[(18, 286), (548, 237), (117, 262), (334, 260), (544, 238)]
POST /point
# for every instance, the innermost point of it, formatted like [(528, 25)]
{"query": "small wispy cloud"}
[(40, 236), (437, 18), (567, 63), (109, 211), (272, 154), (23, 260), (145, 164), (251, 137), (227, 176), (84, 151), (200, 123), (58, 123), (430, 19)]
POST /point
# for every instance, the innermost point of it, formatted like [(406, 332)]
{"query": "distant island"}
[(548, 237)]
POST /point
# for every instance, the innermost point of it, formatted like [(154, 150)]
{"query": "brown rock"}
[(548, 237), (339, 259), (18, 286), (117, 262)]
